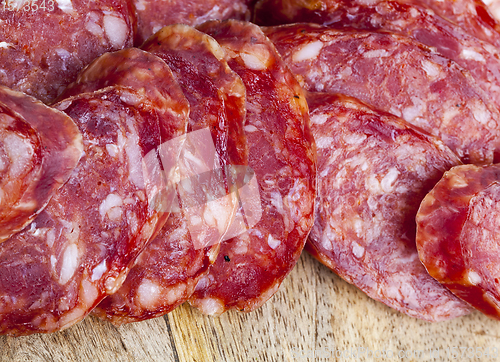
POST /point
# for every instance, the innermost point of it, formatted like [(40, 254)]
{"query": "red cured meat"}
[(167, 271), (79, 249), (397, 75), (458, 236), (480, 58), (373, 171), (473, 16), (251, 266), (152, 15), (140, 71), (39, 149), (42, 49)]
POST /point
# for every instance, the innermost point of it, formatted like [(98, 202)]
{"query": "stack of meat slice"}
[(434, 64), (196, 181)]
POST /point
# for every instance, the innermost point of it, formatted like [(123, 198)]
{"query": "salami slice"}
[(473, 16), (457, 235), (39, 149), (43, 45), (251, 266), (167, 271), (480, 58), (141, 71), (152, 15), (80, 247), (374, 169), (398, 75)]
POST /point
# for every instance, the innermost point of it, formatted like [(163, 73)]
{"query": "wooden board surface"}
[(313, 311)]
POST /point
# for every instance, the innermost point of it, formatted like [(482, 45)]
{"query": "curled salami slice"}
[(167, 271), (374, 169), (251, 266), (39, 149), (400, 76), (141, 71), (152, 15), (79, 248), (43, 46), (481, 59), (458, 235), (473, 16)]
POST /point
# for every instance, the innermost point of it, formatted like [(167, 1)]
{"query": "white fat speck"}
[(65, 5), (53, 263), (277, 202), (364, 166), (112, 149), (20, 152), (148, 293), (432, 69), (319, 118), (110, 202), (481, 113), (470, 54), (379, 53), (5, 45), (254, 62), (116, 30), (140, 5), (474, 278), (195, 220), (69, 264), (92, 25), (99, 270), (50, 238), (250, 128), (458, 182), (357, 224), (134, 155), (63, 53), (88, 293), (387, 182), (373, 185), (357, 250), (324, 142), (272, 242), (355, 139), (210, 306), (308, 52)]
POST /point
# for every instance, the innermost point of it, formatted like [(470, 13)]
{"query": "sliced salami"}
[(167, 271), (141, 71), (374, 169), (43, 45), (80, 247), (398, 75), (39, 149), (251, 266), (480, 58), (473, 16), (458, 233), (152, 15)]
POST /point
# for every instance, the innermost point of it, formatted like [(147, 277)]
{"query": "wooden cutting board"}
[(314, 313)]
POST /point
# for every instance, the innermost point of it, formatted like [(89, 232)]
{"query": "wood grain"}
[(313, 310)]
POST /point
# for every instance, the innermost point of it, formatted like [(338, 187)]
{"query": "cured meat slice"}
[(400, 76), (39, 149), (166, 272), (141, 71), (374, 169), (457, 235), (472, 16), (481, 59), (251, 266), (79, 248), (43, 45), (152, 15)]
